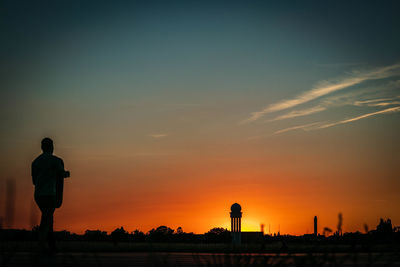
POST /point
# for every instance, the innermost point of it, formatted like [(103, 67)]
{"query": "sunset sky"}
[(168, 112)]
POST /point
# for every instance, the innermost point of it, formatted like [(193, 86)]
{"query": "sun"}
[(251, 225)]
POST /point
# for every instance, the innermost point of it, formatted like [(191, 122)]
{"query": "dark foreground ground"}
[(172, 254), (199, 259)]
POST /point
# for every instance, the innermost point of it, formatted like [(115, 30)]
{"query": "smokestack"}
[(315, 226)]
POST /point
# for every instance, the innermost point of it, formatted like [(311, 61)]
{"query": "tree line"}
[(384, 232)]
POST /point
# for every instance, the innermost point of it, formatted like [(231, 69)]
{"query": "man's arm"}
[(60, 169), (33, 172)]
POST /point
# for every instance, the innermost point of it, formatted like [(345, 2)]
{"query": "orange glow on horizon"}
[(196, 193)]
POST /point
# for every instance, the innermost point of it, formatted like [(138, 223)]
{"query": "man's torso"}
[(45, 170)]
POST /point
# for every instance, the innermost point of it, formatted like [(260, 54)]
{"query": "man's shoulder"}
[(58, 160), (37, 159), (46, 158)]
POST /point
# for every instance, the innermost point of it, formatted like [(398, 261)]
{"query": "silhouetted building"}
[(252, 237), (236, 216), (315, 226)]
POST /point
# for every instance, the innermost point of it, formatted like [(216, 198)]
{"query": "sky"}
[(168, 112)]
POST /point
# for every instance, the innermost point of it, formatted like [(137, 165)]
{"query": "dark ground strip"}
[(199, 259)]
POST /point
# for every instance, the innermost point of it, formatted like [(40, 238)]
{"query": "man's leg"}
[(43, 228), (46, 205), (50, 236)]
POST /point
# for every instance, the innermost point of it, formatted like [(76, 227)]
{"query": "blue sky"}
[(203, 81)]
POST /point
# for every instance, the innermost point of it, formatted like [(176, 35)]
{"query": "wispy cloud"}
[(299, 113), (326, 88), (384, 104), (369, 101), (158, 136), (337, 101), (388, 110), (305, 127)]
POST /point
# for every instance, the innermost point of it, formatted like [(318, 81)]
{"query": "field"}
[(146, 254)]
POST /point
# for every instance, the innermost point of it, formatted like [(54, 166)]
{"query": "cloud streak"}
[(305, 127), (377, 102), (339, 100), (326, 88), (319, 125), (299, 113), (369, 101), (384, 104), (388, 110)]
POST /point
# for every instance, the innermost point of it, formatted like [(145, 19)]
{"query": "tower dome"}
[(236, 208)]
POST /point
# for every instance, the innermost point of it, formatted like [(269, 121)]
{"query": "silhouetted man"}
[(47, 171)]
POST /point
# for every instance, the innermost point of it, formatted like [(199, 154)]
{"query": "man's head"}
[(47, 145)]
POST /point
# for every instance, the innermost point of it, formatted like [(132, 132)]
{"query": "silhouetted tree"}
[(95, 235), (218, 235), (384, 228), (181, 236), (162, 233), (138, 236), (179, 230), (119, 235)]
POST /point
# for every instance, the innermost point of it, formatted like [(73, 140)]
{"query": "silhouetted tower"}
[(315, 226), (236, 217)]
